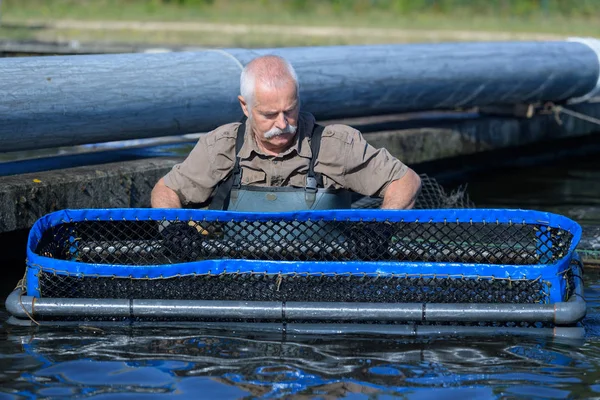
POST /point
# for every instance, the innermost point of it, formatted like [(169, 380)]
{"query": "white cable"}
[(576, 114), (228, 55)]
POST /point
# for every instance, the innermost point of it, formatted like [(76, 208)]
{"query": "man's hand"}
[(181, 241), (163, 196), (372, 240), (402, 193)]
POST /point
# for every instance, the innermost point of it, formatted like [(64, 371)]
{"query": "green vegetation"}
[(385, 21)]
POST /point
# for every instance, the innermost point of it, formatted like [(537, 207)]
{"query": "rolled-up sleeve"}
[(350, 162), (211, 159)]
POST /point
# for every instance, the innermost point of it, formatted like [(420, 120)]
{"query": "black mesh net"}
[(432, 196), (168, 242), (311, 288)]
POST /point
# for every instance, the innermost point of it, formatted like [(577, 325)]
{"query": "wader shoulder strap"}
[(220, 200), (315, 179)]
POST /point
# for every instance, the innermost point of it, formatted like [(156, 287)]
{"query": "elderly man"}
[(280, 159)]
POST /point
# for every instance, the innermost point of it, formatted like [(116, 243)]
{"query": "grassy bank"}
[(272, 22)]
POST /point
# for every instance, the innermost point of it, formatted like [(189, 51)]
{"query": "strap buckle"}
[(310, 191), (237, 178), (311, 184)]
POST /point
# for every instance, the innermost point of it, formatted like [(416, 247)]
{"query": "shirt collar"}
[(306, 123)]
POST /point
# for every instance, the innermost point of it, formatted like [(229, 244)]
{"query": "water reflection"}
[(158, 363)]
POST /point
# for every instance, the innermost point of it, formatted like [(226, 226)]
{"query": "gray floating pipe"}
[(21, 306), (69, 100)]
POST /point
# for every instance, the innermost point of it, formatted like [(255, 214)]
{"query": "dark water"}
[(185, 363), (193, 364), (570, 187)]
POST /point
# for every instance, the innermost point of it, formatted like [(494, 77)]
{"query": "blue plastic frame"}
[(550, 273)]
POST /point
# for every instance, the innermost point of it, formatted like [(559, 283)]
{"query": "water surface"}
[(157, 363)]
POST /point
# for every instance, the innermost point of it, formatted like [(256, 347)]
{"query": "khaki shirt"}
[(345, 160)]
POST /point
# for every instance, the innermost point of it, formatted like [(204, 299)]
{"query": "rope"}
[(228, 55), (21, 285), (557, 110)]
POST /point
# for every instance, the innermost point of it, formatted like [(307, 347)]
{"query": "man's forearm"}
[(402, 193), (164, 197)]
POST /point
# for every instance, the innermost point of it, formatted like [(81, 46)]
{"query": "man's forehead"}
[(274, 107), (269, 97), (262, 87)]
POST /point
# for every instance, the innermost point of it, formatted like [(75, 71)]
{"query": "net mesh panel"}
[(432, 196), (167, 242), (263, 287)]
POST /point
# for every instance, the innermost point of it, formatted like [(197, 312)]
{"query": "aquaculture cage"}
[(392, 272)]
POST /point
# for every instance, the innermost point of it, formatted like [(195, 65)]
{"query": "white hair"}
[(271, 70)]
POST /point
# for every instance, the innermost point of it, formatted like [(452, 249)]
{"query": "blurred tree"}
[(189, 2), (300, 5), (524, 8)]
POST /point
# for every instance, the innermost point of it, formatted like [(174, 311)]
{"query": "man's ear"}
[(244, 106)]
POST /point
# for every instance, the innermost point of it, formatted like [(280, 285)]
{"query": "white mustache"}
[(273, 132)]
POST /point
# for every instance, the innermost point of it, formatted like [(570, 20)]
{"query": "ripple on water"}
[(163, 363)]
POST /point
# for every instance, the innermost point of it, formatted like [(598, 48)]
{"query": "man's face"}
[(274, 115)]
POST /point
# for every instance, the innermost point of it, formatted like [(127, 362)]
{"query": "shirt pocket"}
[(254, 178)]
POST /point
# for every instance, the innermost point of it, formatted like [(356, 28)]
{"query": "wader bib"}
[(232, 195)]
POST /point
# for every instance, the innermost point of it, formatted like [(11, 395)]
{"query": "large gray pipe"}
[(62, 101)]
